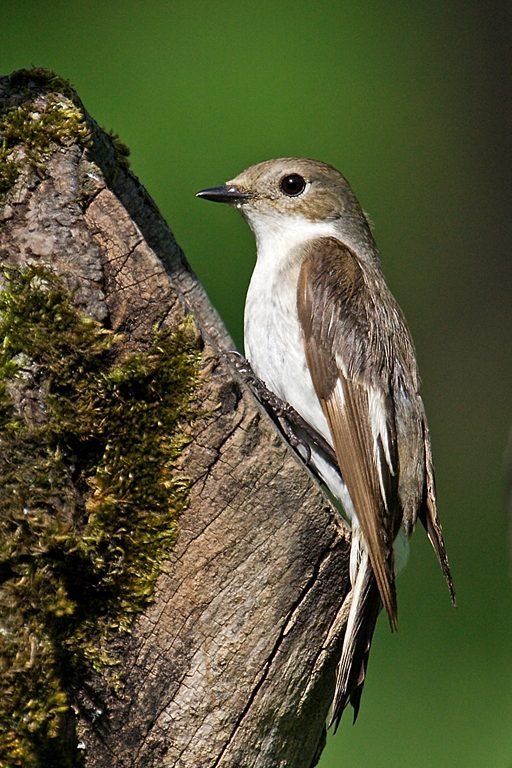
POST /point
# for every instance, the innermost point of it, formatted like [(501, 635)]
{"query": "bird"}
[(325, 335)]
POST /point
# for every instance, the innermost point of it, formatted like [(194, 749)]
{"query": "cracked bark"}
[(233, 663)]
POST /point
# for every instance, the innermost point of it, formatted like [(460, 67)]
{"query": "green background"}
[(410, 101)]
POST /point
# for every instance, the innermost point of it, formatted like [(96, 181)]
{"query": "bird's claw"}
[(286, 417)]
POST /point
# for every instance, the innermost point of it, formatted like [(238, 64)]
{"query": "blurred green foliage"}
[(409, 101)]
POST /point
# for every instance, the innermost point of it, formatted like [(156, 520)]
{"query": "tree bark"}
[(232, 662)]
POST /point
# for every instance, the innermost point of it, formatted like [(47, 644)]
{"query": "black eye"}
[(293, 185)]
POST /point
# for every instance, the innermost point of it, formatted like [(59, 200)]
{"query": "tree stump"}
[(217, 628)]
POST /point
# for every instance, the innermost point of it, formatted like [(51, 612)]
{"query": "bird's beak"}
[(225, 194)]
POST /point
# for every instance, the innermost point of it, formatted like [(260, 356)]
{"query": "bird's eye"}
[(293, 185)]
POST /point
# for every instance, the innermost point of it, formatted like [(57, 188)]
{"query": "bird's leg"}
[(280, 411), (286, 417)]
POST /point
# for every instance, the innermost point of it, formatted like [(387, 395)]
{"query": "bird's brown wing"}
[(346, 362)]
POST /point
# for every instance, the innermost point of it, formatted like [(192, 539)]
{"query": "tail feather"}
[(430, 519), (363, 613)]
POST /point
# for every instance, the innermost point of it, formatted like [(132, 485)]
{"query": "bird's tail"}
[(364, 610)]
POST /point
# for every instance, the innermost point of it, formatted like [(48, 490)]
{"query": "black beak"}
[(224, 194)]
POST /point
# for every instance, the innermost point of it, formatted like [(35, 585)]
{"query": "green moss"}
[(29, 132), (8, 171), (41, 111), (89, 500)]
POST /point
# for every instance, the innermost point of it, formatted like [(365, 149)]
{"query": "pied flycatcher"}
[(324, 333)]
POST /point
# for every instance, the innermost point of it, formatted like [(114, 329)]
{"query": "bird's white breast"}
[(272, 335)]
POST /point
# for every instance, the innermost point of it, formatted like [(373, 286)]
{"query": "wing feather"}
[(352, 437), (359, 413), (430, 519)]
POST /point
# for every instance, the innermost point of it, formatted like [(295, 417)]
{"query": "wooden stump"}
[(231, 661)]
